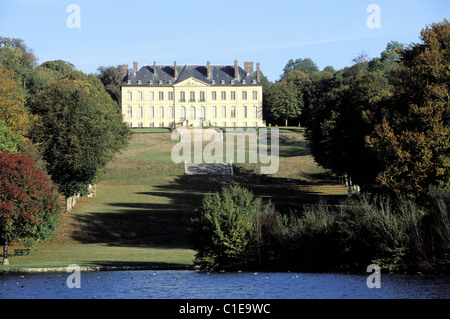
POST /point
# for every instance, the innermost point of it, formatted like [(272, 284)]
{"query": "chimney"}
[(208, 69), (124, 70), (154, 67), (135, 67), (258, 72), (175, 69), (248, 67), (236, 69)]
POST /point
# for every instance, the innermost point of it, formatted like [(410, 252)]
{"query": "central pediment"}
[(191, 82)]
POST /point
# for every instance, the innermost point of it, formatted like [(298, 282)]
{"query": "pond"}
[(143, 284)]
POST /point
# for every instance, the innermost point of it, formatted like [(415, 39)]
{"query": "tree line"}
[(383, 123), (59, 128)]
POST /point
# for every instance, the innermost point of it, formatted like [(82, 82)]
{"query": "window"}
[(130, 124), (151, 112), (244, 111), (170, 112), (201, 116), (139, 96), (183, 114), (182, 96), (214, 112), (151, 95), (151, 124), (140, 115), (192, 96), (202, 96), (233, 111), (140, 124), (170, 95), (233, 95), (244, 95), (161, 96), (161, 112), (214, 95), (224, 111), (255, 95), (224, 95), (255, 111), (192, 113), (130, 112), (129, 96)]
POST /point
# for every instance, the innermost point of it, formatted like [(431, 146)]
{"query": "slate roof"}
[(164, 75)]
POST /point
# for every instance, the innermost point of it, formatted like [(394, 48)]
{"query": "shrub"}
[(28, 205), (228, 231)]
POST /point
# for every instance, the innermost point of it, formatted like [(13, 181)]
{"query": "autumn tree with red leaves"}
[(28, 204)]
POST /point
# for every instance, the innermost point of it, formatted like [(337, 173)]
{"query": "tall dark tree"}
[(111, 77)]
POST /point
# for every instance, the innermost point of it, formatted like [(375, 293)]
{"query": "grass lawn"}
[(143, 205)]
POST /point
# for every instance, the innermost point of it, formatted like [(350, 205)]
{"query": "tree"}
[(111, 77), (284, 101), (413, 137), (343, 117), (228, 231), (305, 65), (28, 205), (16, 56), (9, 141), (12, 104), (79, 131)]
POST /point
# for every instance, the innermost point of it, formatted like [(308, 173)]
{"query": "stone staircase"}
[(208, 169)]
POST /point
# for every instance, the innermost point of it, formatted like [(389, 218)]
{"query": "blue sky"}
[(113, 32)]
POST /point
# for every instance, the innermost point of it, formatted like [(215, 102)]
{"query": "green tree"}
[(111, 77), (285, 97), (343, 117), (305, 65), (28, 205), (9, 141), (16, 56), (79, 131)]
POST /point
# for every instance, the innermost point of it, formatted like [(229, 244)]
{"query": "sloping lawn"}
[(141, 213)]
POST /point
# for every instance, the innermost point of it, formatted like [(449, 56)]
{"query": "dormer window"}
[(139, 82), (254, 81), (150, 82), (213, 82), (160, 82), (129, 81), (244, 81), (223, 81)]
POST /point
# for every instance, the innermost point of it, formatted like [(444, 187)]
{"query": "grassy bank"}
[(143, 205)]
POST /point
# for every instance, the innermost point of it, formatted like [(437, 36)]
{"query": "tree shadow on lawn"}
[(167, 225)]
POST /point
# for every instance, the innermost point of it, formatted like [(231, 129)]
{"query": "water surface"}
[(197, 285)]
